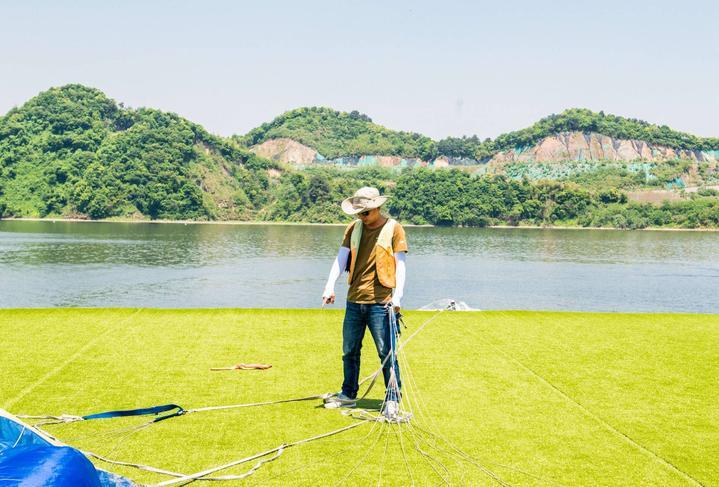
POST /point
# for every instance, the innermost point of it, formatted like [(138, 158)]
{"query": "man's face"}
[(369, 217)]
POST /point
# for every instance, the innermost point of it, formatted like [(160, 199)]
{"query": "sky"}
[(441, 68)]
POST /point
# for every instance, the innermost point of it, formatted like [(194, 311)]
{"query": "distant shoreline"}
[(238, 222)]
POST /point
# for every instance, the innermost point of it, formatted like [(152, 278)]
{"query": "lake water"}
[(46, 264)]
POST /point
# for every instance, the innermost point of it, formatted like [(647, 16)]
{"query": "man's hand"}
[(396, 304), (328, 299)]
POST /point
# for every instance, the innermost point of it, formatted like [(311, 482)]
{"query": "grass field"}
[(537, 398)]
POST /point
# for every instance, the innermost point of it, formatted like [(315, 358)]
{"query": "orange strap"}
[(245, 367)]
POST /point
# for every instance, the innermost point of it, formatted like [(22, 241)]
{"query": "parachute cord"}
[(284, 446), (376, 373), (264, 403), (66, 418)]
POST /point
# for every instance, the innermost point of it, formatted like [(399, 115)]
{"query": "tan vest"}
[(384, 254)]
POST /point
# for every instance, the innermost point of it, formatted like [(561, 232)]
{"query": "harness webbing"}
[(140, 412)]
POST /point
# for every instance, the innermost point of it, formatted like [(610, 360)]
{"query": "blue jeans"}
[(357, 318)]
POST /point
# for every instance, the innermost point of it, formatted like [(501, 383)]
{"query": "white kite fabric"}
[(448, 304), (414, 430)]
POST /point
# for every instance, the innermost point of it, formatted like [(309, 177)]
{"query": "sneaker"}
[(339, 400)]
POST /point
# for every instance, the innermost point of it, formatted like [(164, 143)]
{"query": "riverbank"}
[(633, 392), (409, 225)]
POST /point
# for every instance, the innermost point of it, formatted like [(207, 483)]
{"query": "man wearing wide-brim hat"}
[(373, 252)]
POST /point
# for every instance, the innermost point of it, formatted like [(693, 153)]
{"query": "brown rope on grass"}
[(244, 367)]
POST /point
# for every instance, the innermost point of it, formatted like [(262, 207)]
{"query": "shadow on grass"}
[(369, 404), (362, 404)]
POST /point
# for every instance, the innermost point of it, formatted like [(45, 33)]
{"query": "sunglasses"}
[(365, 213)]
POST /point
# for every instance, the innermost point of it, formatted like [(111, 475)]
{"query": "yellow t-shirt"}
[(365, 287)]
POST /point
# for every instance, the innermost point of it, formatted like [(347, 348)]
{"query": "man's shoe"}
[(339, 400)]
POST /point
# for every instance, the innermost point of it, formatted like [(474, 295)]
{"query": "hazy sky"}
[(440, 68)]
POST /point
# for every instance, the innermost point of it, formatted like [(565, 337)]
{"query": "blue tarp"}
[(29, 459)]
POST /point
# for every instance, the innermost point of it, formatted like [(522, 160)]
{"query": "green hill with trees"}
[(576, 120), (338, 134), (73, 152)]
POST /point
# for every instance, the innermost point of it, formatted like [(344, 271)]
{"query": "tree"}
[(318, 190)]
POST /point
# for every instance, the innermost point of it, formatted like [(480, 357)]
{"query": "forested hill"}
[(72, 150), (338, 134), (587, 121)]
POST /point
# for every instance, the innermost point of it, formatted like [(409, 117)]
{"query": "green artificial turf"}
[(535, 398)]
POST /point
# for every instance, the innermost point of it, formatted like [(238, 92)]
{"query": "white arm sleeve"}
[(400, 274), (338, 266)]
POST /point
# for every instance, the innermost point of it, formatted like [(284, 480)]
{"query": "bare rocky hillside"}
[(578, 146)]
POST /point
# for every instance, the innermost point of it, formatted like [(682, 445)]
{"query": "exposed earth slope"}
[(578, 146)]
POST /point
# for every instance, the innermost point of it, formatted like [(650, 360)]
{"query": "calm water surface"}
[(45, 264)]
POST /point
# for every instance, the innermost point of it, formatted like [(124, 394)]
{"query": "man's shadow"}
[(369, 404)]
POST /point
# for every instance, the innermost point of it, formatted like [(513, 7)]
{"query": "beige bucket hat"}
[(365, 198)]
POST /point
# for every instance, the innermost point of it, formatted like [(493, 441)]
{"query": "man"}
[(373, 250)]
